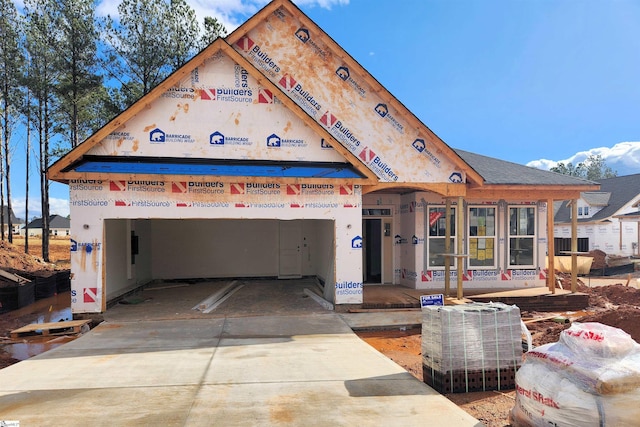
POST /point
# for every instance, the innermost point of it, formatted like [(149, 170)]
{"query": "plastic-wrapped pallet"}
[(462, 342), (590, 377)]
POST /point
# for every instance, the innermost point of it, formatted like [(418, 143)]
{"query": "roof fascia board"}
[(444, 189), (381, 91), (252, 22), (98, 176), (581, 222), (298, 111), (529, 192), (55, 171)]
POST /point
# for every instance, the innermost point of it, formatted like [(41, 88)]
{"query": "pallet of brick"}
[(469, 381), (471, 347)]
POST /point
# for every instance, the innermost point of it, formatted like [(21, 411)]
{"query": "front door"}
[(372, 250), (290, 263)]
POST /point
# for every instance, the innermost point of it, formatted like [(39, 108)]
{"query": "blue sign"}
[(436, 299)]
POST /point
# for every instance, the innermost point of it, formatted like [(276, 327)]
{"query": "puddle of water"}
[(47, 310), (34, 346)]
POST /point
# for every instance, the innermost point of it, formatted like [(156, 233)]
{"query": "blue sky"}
[(528, 81)]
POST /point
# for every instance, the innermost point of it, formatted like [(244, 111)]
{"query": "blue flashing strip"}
[(288, 171)]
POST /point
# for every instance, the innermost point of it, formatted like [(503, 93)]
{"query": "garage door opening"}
[(141, 251)]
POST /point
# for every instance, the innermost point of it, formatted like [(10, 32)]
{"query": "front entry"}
[(372, 250), (376, 250)]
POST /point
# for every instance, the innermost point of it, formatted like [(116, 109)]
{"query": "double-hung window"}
[(482, 236), (436, 235), (522, 235)]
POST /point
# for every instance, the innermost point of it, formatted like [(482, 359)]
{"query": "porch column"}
[(459, 234), (551, 269), (574, 245), (447, 248)]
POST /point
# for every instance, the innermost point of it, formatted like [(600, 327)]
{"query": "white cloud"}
[(57, 206), (623, 158)]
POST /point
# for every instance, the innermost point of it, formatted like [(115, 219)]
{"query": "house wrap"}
[(273, 153)]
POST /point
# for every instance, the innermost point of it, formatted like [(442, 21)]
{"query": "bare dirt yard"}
[(614, 305), (58, 250)]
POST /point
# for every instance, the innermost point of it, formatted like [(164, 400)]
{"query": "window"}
[(522, 233), (436, 236), (563, 244), (580, 211), (586, 210), (376, 212), (482, 236)]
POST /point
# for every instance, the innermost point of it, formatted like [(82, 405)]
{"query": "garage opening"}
[(140, 251)]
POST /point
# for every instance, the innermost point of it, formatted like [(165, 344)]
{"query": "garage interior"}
[(145, 251)]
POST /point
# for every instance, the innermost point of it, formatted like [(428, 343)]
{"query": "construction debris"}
[(214, 300), (53, 328)]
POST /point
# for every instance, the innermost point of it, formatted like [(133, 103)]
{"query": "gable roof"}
[(596, 198), (14, 220), (69, 167), (618, 191), (55, 221), (382, 144), (355, 107), (426, 157)]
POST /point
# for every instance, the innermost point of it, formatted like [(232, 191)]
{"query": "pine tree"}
[(78, 80), (11, 61), (138, 56), (183, 33), (40, 28)]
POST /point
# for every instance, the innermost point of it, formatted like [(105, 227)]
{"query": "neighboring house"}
[(15, 222), (17, 226), (607, 219), (272, 155), (58, 226)]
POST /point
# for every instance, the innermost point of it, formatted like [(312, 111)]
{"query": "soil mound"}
[(16, 261)]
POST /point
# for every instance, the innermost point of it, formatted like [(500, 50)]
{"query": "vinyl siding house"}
[(58, 226), (607, 219), (16, 223)]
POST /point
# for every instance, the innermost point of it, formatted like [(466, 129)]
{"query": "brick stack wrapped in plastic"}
[(590, 377), (471, 347)]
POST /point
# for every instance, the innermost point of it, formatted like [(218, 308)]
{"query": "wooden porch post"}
[(574, 245), (459, 234), (551, 270), (447, 249)]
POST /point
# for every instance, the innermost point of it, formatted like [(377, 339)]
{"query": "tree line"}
[(592, 168), (65, 72)]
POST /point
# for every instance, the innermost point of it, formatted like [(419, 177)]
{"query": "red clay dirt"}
[(613, 305)]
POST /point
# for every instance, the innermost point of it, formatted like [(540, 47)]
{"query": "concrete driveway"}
[(309, 370)]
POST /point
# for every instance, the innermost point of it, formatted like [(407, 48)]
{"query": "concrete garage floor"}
[(271, 356), (175, 300), (258, 297)]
